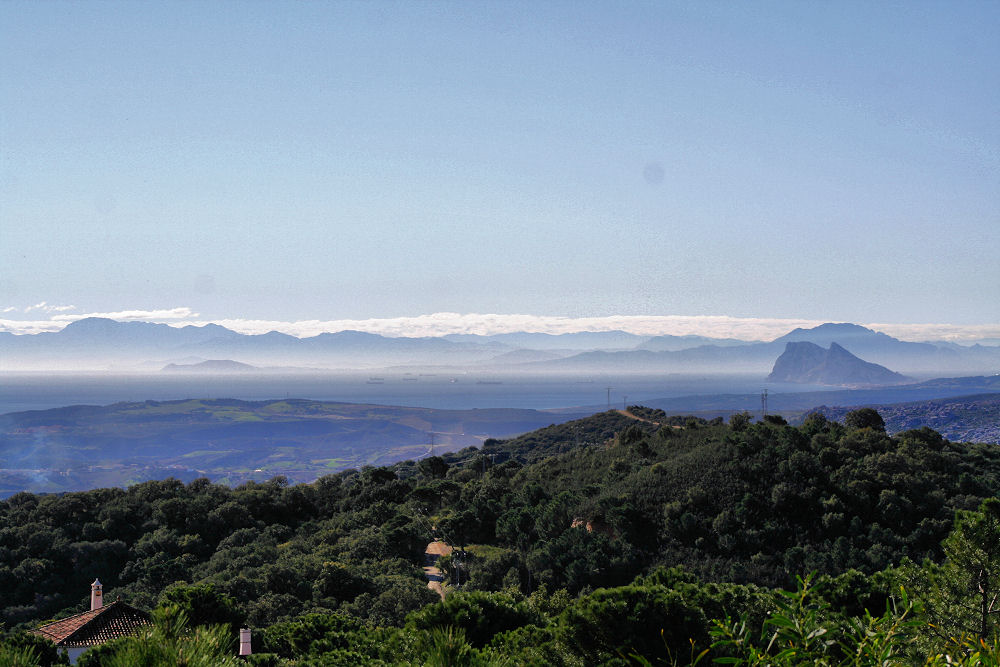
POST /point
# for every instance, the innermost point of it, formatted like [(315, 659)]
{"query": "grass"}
[(209, 452), (334, 464), (485, 550), (165, 408), (236, 415)]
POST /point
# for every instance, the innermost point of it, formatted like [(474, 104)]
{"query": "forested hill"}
[(974, 418), (547, 518), (561, 438)]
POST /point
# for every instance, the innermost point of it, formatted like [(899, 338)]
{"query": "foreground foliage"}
[(603, 541)]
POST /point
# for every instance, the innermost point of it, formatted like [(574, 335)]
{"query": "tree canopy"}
[(580, 543)]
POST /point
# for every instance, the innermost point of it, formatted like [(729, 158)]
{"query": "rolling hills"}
[(80, 447)]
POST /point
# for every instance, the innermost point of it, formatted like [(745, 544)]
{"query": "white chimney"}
[(96, 599), (245, 641)]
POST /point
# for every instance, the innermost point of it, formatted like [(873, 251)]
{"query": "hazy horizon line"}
[(445, 323)]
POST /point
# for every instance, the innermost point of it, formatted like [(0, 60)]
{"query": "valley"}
[(231, 441)]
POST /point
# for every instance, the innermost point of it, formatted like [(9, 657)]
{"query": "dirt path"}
[(628, 414), (435, 578)]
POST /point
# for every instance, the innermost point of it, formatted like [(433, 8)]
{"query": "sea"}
[(21, 391)]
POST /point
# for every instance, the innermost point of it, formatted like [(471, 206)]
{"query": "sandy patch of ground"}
[(435, 577)]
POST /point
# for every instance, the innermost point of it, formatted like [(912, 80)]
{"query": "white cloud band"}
[(42, 306), (169, 315), (438, 324)]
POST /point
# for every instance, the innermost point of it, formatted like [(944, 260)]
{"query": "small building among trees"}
[(101, 624)]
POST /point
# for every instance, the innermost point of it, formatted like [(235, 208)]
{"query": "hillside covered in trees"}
[(973, 418), (620, 538)]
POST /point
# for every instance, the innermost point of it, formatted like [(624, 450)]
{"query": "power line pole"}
[(763, 404), (609, 397), (492, 457), (624, 400)]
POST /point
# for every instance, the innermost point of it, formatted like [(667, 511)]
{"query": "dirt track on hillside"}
[(435, 577)]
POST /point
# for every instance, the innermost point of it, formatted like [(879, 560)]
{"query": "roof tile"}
[(94, 627)]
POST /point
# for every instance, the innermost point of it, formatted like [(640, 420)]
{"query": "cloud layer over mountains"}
[(440, 324)]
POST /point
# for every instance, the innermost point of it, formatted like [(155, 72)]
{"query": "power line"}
[(448, 540)]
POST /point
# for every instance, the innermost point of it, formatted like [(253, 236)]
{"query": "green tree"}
[(25, 648), (446, 646), (170, 642), (805, 630), (296, 638), (865, 418), (337, 580), (478, 615), (739, 421), (455, 528), (433, 467), (22, 656), (962, 594), (203, 605), (632, 620)]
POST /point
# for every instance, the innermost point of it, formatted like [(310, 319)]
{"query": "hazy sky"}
[(330, 161)]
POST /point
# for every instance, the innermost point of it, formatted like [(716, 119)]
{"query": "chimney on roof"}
[(245, 642), (96, 598)]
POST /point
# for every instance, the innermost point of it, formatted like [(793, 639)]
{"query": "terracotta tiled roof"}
[(94, 627)]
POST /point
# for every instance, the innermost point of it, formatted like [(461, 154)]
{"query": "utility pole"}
[(763, 404), (609, 397), (624, 402)]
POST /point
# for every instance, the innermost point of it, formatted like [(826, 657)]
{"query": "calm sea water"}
[(38, 391)]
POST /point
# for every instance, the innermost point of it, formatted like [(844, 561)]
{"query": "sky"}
[(679, 167)]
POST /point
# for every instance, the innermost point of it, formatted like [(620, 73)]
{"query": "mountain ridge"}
[(873, 346), (102, 343), (807, 363), (212, 366)]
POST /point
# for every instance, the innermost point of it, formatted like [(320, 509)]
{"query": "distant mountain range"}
[(578, 341), (212, 366), (873, 346), (97, 343), (677, 343), (808, 363)]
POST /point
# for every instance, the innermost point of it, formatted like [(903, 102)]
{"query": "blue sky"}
[(289, 161)]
